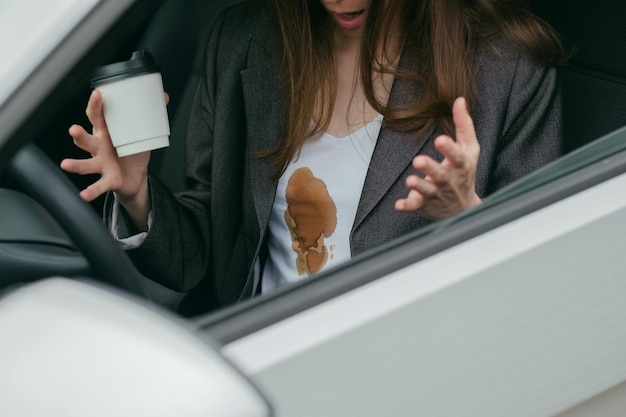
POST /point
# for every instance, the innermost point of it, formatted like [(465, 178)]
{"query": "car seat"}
[(176, 38), (594, 81)]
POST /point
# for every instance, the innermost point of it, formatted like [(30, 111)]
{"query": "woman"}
[(323, 128)]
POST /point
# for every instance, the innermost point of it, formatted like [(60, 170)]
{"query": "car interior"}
[(35, 241)]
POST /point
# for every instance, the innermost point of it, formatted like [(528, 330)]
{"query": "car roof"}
[(23, 50)]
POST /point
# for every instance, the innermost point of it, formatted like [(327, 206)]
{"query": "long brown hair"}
[(444, 32)]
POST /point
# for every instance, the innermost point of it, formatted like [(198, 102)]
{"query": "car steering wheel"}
[(47, 184)]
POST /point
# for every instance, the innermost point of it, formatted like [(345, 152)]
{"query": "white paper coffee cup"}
[(134, 104)]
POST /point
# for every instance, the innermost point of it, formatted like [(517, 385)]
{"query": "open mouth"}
[(352, 15), (351, 20)]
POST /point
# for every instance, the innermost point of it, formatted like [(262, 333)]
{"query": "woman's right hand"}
[(127, 177)]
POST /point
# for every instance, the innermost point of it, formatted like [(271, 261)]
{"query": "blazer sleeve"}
[(176, 250), (532, 129)]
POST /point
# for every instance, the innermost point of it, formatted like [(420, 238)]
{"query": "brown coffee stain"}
[(311, 216)]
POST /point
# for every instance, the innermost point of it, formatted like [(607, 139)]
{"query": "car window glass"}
[(576, 160), (25, 49)]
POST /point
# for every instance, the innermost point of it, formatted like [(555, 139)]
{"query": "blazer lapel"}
[(263, 105), (394, 150)]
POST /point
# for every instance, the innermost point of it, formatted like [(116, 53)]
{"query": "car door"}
[(516, 308)]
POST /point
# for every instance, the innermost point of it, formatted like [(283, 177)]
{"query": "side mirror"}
[(72, 349)]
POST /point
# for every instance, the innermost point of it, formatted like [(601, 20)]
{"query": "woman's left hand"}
[(448, 187)]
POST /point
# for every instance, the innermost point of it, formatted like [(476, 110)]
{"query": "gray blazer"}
[(216, 230)]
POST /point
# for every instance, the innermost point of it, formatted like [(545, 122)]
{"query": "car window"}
[(33, 46)]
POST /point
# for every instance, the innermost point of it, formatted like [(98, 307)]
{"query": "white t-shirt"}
[(315, 206)]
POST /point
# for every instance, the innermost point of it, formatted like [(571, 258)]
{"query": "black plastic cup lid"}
[(140, 63)]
